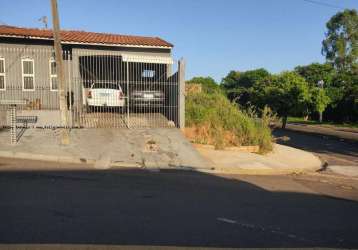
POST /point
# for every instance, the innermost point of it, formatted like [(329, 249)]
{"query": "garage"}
[(127, 91)]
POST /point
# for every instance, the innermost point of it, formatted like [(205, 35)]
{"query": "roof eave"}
[(93, 44)]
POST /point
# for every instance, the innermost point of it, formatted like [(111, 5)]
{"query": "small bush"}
[(221, 123)]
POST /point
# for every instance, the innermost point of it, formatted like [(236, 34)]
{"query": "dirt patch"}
[(228, 140), (248, 149), (151, 146), (199, 135)]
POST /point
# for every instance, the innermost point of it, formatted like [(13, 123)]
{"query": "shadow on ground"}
[(170, 208), (331, 149)]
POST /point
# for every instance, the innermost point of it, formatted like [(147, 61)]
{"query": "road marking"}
[(227, 220), (264, 229)]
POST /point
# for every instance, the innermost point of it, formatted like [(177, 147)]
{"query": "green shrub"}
[(224, 124)]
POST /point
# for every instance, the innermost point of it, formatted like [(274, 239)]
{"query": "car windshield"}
[(106, 85)]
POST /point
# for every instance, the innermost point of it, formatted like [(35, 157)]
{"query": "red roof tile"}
[(72, 36)]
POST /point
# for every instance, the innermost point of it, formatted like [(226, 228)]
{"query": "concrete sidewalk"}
[(150, 148), (105, 148), (282, 160)]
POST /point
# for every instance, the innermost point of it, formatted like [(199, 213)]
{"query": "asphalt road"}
[(173, 208), (346, 133), (333, 150)]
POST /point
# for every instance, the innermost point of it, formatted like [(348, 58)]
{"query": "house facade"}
[(136, 64)]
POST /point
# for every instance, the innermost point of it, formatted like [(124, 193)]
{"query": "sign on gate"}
[(12, 117)]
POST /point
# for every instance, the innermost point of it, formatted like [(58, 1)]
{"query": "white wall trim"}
[(3, 74), (28, 59), (52, 75)]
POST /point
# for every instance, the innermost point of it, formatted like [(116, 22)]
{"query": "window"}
[(148, 73), (53, 75), (2, 74), (105, 85), (28, 75)]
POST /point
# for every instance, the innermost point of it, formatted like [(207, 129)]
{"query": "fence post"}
[(128, 110), (181, 70), (78, 86)]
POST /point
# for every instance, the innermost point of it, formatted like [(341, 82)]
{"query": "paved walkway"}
[(150, 148), (283, 160), (153, 148)]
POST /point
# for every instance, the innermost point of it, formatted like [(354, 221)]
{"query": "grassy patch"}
[(215, 120)]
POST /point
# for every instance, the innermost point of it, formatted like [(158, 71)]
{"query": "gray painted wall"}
[(41, 54)]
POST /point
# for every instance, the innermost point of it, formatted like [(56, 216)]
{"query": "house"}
[(139, 65)]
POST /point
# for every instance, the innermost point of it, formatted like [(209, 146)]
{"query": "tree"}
[(245, 79), (286, 94), (341, 43), (344, 98), (208, 84), (315, 72), (231, 80), (238, 85), (320, 100)]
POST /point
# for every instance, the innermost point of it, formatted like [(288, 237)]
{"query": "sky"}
[(213, 36)]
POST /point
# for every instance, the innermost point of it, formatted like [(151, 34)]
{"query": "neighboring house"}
[(28, 68)]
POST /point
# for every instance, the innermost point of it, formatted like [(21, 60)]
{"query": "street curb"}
[(43, 157), (150, 166), (75, 160), (239, 171)]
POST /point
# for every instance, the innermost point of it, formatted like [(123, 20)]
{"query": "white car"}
[(105, 94)]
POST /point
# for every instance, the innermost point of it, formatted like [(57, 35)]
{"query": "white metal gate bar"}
[(103, 88), (13, 134)]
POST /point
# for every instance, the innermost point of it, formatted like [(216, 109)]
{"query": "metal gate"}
[(103, 88)]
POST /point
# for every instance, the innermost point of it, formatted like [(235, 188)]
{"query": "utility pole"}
[(65, 139)]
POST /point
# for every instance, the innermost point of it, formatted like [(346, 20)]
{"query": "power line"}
[(324, 4)]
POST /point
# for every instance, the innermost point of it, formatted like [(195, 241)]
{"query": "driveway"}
[(173, 208), (155, 147)]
